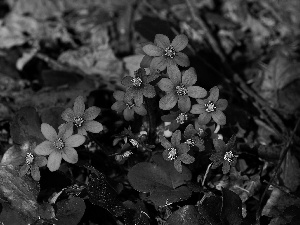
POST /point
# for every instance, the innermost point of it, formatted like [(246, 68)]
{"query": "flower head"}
[(138, 86), (206, 131), (59, 146), (211, 107), (179, 89), (81, 118), (176, 118), (224, 154), (31, 162), (190, 135), (166, 54), (127, 106), (176, 151)]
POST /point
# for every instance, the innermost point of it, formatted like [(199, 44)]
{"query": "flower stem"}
[(151, 112)]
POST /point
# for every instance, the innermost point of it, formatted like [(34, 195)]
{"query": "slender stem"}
[(206, 172)]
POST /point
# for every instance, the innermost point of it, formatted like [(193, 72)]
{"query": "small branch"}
[(282, 157)]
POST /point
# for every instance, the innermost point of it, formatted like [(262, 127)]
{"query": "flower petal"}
[(180, 42), (65, 131), (176, 137), (168, 101), (44, 148), (184, 103), (204, 118), (119, 106), (68, 115), (226, 167), (174, 75), (79, 106), (91, 113), (35, 173), (145, 63), (24, 169), (189, 77), (119, 95), (40, 161), (153, 50), (138, 97), (92, 126), (198, 109), (131, 92), (54, 161), (164, 142), (219, 117), (82, 131), (166, 85), (48, 132), (219, 145), (183, 148), (182, 59), (127, 81), (177, 165), (221, 104), (162, 41), (140, 110), (165, 155), (158, 63), (213, 94), (187, 159), (128, 114), (70, 155), (196, 92), (189, 131), (75, 140), (149, 91)]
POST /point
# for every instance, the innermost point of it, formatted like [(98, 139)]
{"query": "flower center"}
[(129, 105), (127, 154), (78, 121), (181, 90), (136, 81), (210, 107), (172, 153), (134, 143), (228, 156), (29, 158), (59, 144), (181, 118), (190, 142), (170, 52)]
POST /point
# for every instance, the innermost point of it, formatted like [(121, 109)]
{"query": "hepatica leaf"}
[(186, 215), (26, 126), (70, 211), (20, 193), (231, 208), (161, 179)]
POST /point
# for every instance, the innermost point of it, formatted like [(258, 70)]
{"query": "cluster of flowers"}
[(179, 88), (61, 145)]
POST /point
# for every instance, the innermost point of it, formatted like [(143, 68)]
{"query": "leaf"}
[(291, 172), (70, 211), (12, 156), (186, 215), (210, 209), (26, 126), (160, 179), (231, 208), (20, 193), (10, 216), (141, 216)]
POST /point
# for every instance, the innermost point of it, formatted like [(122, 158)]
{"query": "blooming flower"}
[(81, 118), (32, 162), (176, 151), (211, 107), (206, 131), (138, 86), (127, 106), (224, 154), (179, 89), (166, 54), (59, 146), (190, 135), (176, 119)]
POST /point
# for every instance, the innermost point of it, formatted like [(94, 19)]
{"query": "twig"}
[(282, 157)]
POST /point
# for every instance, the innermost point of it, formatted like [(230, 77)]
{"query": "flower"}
[(211, 107), (176, 118), (191, 138), (32, 162), (176, 151), (138, 86), (127, 106), (166, 54), (224, 154), (179, 89), (59, 146), (81, 118), (206, 131)]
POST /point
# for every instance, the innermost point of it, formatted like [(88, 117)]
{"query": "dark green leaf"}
[(231, 208), (187, 215)]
